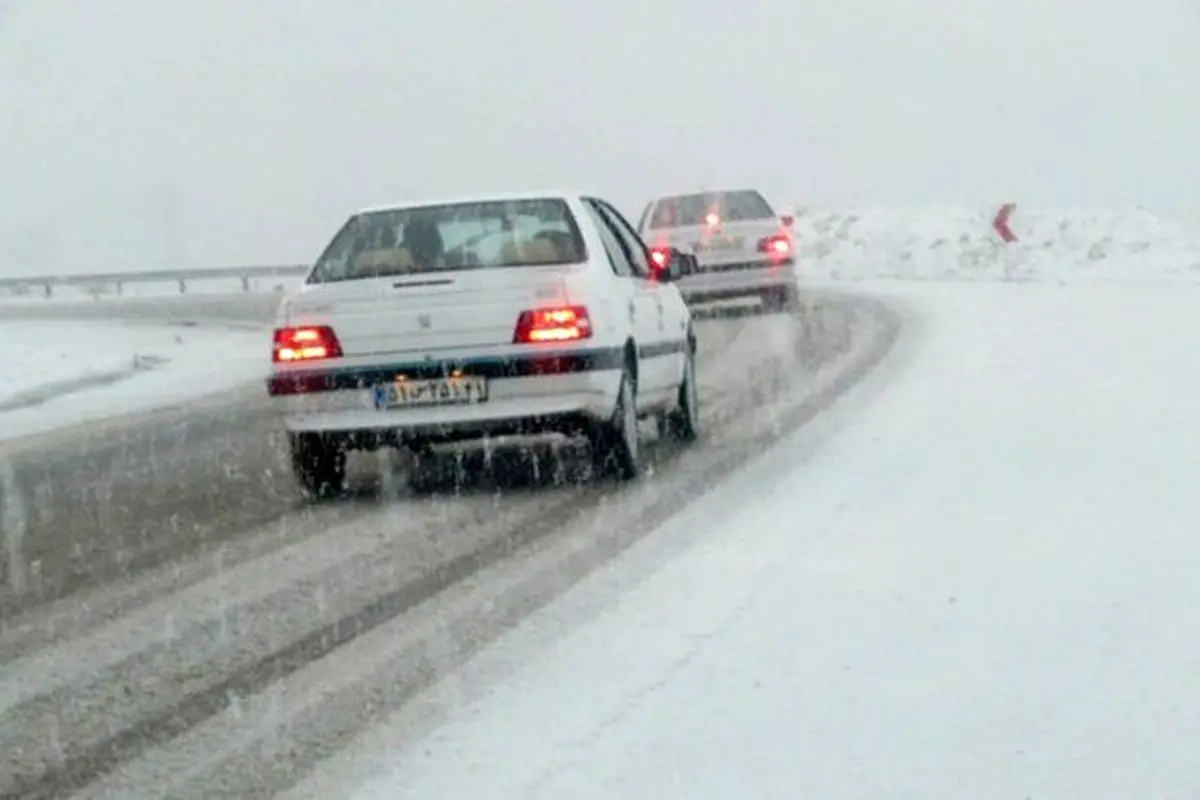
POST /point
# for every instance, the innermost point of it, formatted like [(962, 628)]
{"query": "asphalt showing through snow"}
[(175, 579)]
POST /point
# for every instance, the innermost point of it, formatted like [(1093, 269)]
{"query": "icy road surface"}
[(185, 626), (59, 373), (976, 577)]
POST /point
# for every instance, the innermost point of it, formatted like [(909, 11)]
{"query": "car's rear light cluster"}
[(777, 246), (559, 324), (659, 257), (311, 343), (298, 383)]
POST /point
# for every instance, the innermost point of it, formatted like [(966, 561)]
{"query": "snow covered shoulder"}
[(60, 373)]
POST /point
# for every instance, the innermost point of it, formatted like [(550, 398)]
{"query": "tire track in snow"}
[(93, 673), (107, 504), (80, 759)]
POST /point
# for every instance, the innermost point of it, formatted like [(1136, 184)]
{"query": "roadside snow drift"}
[(54, 374), (960, 243)]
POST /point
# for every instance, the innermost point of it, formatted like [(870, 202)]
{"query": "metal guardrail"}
[(117, 280)]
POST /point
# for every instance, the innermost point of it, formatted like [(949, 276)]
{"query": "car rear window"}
[(691, 209), (479, 235)]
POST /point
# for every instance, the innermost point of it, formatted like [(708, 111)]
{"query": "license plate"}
[(404, 393), (733, 243)]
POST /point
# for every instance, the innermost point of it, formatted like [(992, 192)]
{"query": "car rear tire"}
[(683, 423), (780, 300), (616, 447), (319, 463)]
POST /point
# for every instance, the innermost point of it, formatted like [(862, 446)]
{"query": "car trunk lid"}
[(429, 312), (723, 243)]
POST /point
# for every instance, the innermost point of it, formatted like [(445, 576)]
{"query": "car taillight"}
[(306, 344), (553, 325), (659, 256), (712, 219), (779, 245)]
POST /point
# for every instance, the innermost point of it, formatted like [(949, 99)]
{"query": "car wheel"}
[(683, 423), (421, 473), (780, 299), (616, 448), (319, 463)]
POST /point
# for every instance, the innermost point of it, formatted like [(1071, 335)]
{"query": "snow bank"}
[(960, 243), (54, 374)]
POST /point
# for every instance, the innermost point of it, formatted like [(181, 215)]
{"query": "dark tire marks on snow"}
[(824, 335)]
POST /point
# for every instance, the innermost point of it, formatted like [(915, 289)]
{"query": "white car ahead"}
[(467, 318), (743, 247)]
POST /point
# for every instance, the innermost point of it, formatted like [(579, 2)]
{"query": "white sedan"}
[(438, 322), (742, 246)]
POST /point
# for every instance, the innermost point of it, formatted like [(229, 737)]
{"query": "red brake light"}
[(779, 245), (564, 324), (306, 344), (712, 219), (660, 257)]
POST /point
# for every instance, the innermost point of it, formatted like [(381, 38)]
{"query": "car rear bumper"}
[(523, 405), (735, 280)]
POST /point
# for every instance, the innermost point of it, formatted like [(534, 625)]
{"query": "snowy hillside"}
[(960, 243)]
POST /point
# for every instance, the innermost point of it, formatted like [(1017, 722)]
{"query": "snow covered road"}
[(975, 577), (221, 637)]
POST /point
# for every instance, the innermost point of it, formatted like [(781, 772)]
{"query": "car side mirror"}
[(679, 265)]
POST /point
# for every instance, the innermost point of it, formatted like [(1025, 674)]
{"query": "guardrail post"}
[(47, 289), (12, 527), (245, 283), (182, 286)]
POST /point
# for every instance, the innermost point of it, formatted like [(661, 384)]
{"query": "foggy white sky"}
[(146, 133)]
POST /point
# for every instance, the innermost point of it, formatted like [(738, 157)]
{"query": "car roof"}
[(487, 197), (712, 190)]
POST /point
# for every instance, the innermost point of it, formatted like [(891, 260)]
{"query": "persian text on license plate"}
[(404, 393)]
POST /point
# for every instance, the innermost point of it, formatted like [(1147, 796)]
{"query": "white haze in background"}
[(139, 134)]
